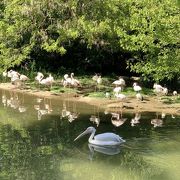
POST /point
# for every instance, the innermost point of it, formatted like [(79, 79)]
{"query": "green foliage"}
[(147, 30)]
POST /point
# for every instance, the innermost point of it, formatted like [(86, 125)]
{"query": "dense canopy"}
[(143, 34)]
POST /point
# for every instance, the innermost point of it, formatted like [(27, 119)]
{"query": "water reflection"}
[(71, 115), (32, 149), (158, 122), (108, 150), (117, 119), (14, 101), (135, 120), (95, 116), (43, 107)]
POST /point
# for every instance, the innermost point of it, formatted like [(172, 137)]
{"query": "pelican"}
[(139, 97), (74, 82), (120, 82), (136, 87), (99, 79), (4, 74), (117, 89), (104, 139), (108, 95), (165, 91), (175, 93), (23, 78), (120, 96), (95, 77)]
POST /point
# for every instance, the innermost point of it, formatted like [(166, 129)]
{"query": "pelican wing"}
[(108, 137)]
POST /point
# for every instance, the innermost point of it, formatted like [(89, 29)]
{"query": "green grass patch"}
[(170, 99)]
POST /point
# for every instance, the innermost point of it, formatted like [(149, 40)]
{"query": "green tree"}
[(147, 30)]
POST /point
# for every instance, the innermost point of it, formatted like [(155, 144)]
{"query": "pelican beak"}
[(82, 134), (123, 140)]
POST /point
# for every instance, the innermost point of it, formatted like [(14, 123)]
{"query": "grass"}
[(170, 99)]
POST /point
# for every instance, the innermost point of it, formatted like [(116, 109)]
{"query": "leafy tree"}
[(145, 30)]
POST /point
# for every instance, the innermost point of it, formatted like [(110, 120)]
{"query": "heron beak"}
[(82, 134)]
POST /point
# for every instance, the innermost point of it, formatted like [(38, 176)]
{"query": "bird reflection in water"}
[(48, 105), (117, 117), (43, 107), (95, 117), (106, 143), (107, 150), (73, 114), (13, 101), (21, 107), (70, 115), (157, 122), (4, 98), (135, 120)]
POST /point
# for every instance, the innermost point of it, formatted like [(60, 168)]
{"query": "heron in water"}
[(104, 139)]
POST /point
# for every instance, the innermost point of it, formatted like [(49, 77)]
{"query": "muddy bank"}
[(150, 103)]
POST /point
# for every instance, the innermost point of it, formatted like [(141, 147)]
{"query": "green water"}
[(36, 142)]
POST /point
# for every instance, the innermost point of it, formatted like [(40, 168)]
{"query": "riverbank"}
[(149, 104)]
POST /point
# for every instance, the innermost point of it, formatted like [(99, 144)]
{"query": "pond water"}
[(37, 141)]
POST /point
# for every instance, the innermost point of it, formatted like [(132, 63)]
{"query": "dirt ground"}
[(150, 103)]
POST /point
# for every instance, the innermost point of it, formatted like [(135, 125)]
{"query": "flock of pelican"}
[(69, 81)]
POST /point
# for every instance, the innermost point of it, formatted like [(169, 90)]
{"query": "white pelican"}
[(95, 77), (157, 86), (107, 95), (160, 89), (174, 93), (74, 82), (105, 139), (117, 89), (120, 82), (23, 78), (165, 91), (120, 96), (99, 80), (4, 74), (136, 87), (139, 96), (39, 76)]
